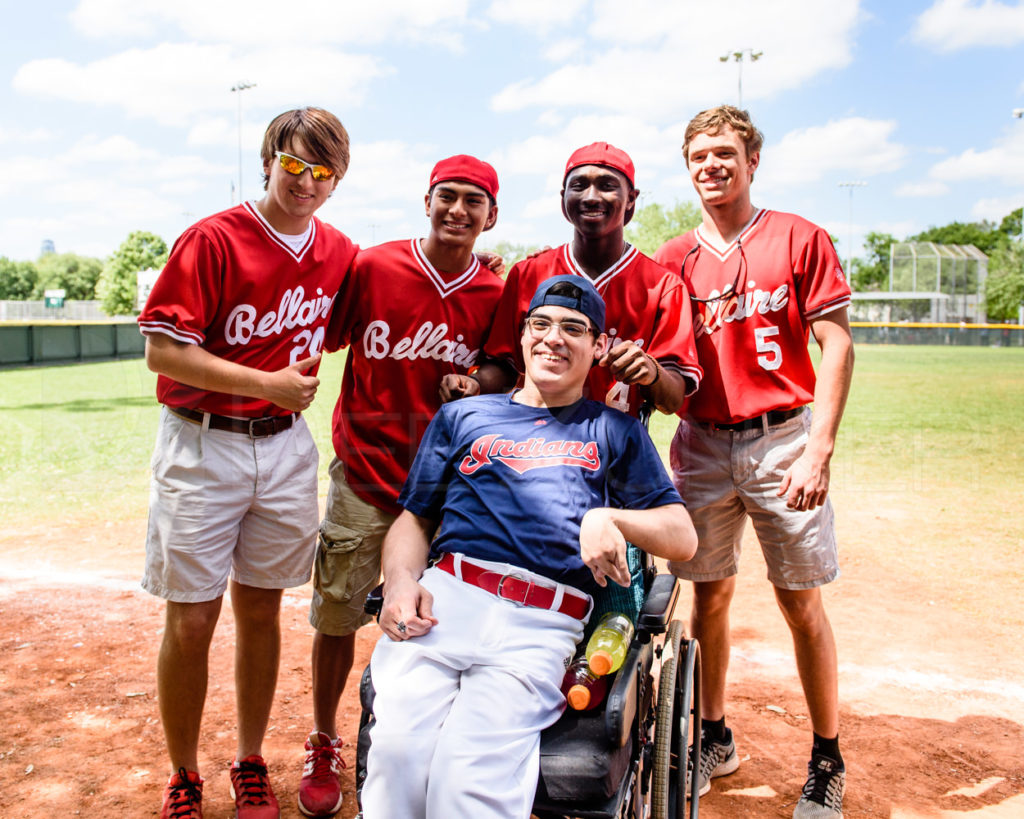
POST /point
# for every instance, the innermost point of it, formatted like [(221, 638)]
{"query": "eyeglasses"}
[(540, 327), (296, 167)]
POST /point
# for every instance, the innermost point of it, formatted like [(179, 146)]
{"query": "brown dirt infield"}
[(932, 680)]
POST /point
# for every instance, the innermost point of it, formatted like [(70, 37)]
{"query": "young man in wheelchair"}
[(535, 493)]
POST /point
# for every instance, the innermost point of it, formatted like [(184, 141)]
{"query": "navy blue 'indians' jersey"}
[(511, 483)]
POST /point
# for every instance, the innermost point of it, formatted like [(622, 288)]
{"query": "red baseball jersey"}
[(754, 348), (232, 286), (644, 303), (408, 325)]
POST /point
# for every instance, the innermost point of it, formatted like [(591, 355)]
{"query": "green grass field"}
[(935, 421)]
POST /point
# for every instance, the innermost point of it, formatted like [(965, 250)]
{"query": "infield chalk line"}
[(781, 664)]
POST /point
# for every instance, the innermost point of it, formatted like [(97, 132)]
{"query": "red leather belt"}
[(519, 590), (253, 427)]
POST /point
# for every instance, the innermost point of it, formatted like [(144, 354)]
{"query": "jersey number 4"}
[(770, 353)]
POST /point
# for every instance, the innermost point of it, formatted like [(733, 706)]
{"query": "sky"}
[(118, 115)]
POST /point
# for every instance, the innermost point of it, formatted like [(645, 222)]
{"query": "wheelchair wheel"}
[(678, 702)]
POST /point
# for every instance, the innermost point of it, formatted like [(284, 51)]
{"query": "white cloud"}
[(535, 15), (855, 144), (173, 82), (644, 57), (562, 50), (952, 25), (995, 208), (103, 188), (261, 22), (29, 137), (1004, 161), (921, 189)]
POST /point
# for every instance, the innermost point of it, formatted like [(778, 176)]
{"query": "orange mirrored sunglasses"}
[(295, 166)]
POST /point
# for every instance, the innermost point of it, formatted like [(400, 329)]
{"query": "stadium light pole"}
[(737, 56), (238, 88), (1018, 113), (849, 235)]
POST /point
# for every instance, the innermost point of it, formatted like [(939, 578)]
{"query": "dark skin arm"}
[(631, 365), (493, 376)]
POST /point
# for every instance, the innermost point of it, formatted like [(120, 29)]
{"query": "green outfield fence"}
[(53, 342), (50, 342), (964, 335)]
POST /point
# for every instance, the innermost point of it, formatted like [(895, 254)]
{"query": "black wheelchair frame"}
[(628, 758)]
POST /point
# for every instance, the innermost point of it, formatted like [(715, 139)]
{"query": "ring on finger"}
[(400, 626)]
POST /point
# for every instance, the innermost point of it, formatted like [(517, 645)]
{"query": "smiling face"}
[(459, 212), (556, 360), (291, 201), (720, 169), (597, 200)]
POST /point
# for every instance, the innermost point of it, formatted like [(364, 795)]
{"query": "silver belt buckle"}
[(501, 587), (265, 429)]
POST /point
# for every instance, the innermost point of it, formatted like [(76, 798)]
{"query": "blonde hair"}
[(713, 120)]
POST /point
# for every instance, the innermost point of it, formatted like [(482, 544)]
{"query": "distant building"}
[(47, 247)]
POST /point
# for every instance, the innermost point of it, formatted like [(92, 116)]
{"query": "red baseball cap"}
[(465, 168), (602, 153)]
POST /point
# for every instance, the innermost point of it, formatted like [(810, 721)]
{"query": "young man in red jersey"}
[(651, 354), (234, 327), (760, 282), (411, 312)]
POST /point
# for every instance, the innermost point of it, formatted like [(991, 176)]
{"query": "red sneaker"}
[(183, 797), (320, 788), (250, 788)]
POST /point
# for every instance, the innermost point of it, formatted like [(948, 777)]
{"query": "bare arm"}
[(490, 377), (403, 560), (806, 482), (663, 531), (190, 364), (631, 365)]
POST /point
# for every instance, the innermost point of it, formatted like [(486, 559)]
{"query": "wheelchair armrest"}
[(621, 705), (659, 605), (374, 600)]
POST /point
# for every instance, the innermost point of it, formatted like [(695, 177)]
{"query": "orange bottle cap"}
[(578, 697), (600, 662)]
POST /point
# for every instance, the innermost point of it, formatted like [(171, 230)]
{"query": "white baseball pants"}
[(460, 710)]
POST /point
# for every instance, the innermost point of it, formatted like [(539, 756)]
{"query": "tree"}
[(871, 273), (1011, 224), (512, 252), (654, 224), (117, 285), (1004, 287), (983, 235), (17, 279), (76, 275)]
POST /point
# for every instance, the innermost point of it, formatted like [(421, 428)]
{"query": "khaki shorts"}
[(347, 564), (725, 477), (224, 505)]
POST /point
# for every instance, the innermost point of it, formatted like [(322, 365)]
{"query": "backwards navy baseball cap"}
[(585, 298), (602, 153), (465, 168)]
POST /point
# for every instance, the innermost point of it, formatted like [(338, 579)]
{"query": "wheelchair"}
[(628, 757)]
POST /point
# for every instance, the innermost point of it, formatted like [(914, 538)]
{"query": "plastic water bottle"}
[(607, 647), (583, 690)]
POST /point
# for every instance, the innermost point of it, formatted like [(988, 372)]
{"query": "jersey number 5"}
[(771, 353)]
